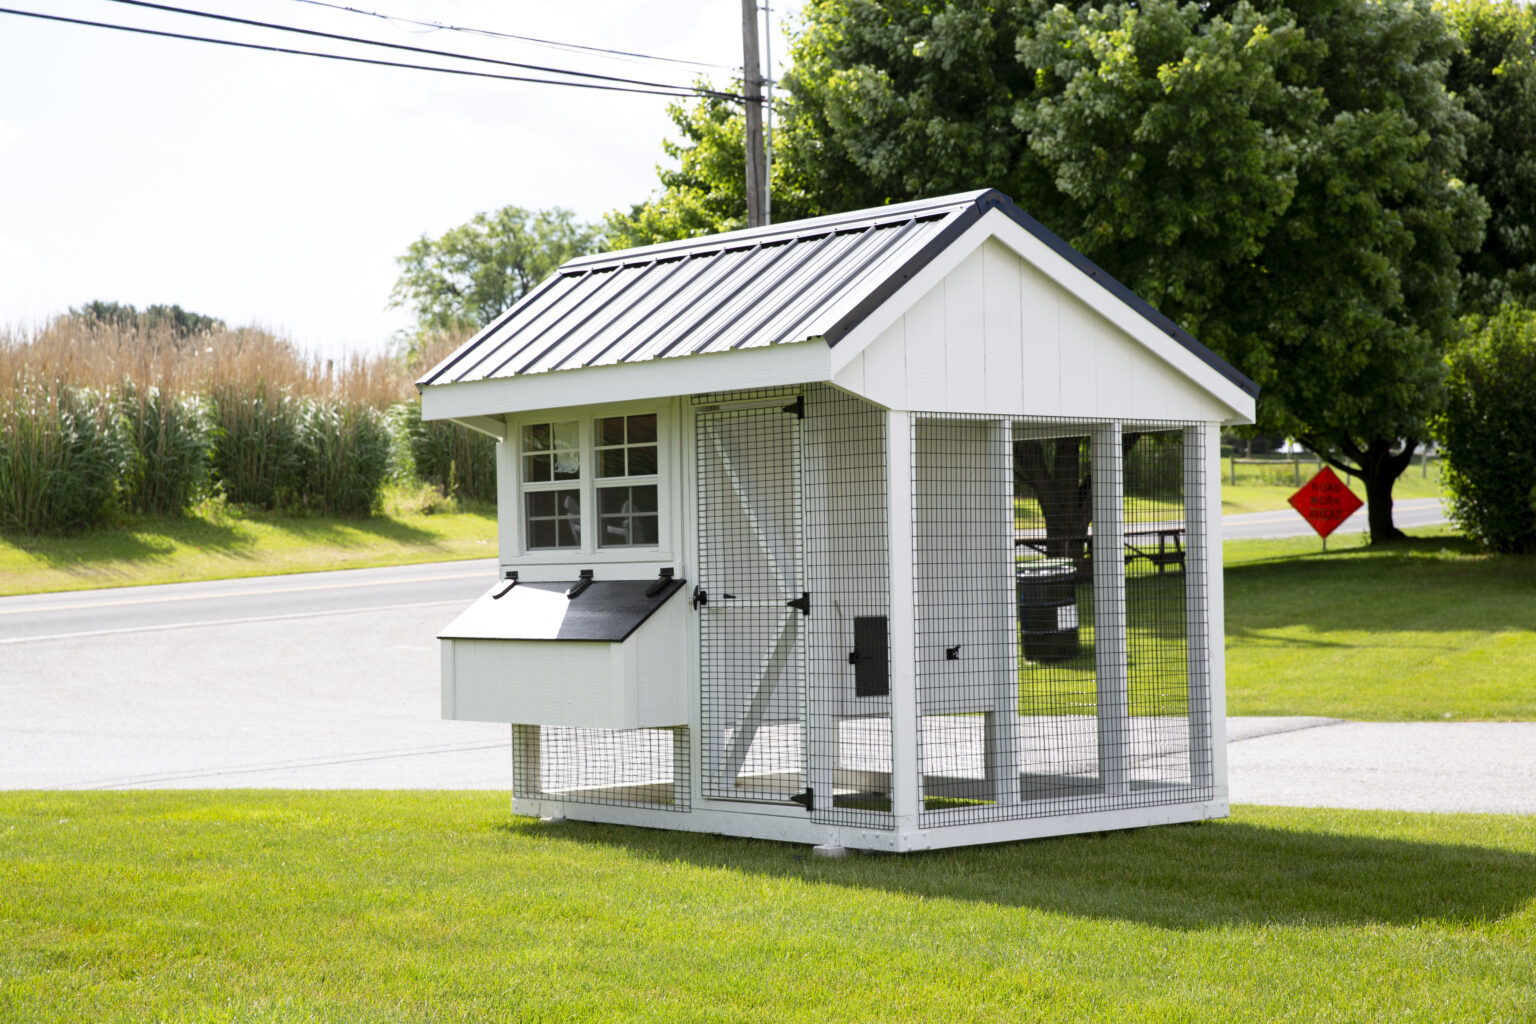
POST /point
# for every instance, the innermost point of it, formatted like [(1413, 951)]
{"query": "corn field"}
[(99, 420)]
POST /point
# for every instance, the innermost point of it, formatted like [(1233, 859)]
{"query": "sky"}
[(278, 190)]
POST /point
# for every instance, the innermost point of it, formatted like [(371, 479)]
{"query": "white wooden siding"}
[(996, 335)]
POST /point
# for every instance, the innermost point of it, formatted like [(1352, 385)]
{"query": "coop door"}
[(752, 611)]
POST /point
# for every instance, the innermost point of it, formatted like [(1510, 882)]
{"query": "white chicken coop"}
[(890, 530)]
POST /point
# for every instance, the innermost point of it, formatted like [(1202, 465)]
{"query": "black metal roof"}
[(794, 282), (604, 610)]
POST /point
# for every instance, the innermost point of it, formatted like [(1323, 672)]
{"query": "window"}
[(601, 474), (551, 457), (626, 449)]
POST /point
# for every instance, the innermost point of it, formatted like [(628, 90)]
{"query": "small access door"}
[(751, 601)]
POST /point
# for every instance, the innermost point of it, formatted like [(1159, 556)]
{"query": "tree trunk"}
[(1056, 472), (1380, 468)]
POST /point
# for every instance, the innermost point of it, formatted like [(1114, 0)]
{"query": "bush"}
[(256, 457), (455, 459), (169, 446), (62, 455), (1488, 431), (345, 457)]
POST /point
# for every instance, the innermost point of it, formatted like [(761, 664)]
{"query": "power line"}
[(544, 69), (672, 91), (493, 34)]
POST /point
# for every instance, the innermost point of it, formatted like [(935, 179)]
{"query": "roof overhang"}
[(768, 366)]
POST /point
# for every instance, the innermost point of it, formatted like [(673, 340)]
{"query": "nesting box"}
[(893, 530)]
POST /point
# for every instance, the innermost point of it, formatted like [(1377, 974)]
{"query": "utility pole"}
[(752, 86), (768, 114)]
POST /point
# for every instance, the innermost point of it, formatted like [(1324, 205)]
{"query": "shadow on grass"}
[(138, 540), (148, 539), (1192, 877), (344, 532)]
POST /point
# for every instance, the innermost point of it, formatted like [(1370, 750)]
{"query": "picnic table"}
[(1161, 545)]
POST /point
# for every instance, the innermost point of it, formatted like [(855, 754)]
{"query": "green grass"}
[(1424, 629), (1265, 489), (223, 542), (291, 906)]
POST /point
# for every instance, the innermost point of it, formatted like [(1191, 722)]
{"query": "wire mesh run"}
[(848, 576), (1058, 583), (616, 767), (750, 598)]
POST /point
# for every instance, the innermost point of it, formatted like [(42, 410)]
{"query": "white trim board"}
[(743, 369)]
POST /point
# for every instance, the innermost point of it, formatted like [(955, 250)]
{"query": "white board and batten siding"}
[(996, 335)]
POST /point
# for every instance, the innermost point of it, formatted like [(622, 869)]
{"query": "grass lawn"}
[(367, 906), (1418, 630), (1264, 489), (219, 542)]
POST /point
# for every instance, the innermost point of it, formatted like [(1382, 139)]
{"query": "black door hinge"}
[(797, 408), (803, 602), (806, 799)]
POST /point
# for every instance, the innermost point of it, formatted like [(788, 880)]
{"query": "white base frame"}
[(794, 825)]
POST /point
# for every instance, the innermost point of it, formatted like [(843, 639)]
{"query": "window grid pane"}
[(626, 446), (554, 518), (627, 516)]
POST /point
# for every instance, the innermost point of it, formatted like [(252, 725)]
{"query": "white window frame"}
[(665, 480)]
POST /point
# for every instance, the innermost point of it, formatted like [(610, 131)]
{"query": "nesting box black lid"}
[(603, 611)]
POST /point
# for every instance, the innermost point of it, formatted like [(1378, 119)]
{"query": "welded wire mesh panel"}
[(751, 611), (1056, 555), (848, 576), (1157, 641), (623, 767), (1166, 592), (965, 640)]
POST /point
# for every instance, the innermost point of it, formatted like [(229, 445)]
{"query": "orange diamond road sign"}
[(1325, 501)]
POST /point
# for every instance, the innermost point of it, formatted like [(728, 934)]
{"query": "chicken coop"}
[(890, 530)]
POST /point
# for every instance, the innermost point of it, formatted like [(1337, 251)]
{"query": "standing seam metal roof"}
[(787, 283)]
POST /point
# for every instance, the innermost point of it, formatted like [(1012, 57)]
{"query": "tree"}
[(1488, 430), (1494, 72), (1279, 176), (706, 192), (183, 322), (473, 273)]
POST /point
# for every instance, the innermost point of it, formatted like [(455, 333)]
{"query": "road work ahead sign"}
[(1325, 502)]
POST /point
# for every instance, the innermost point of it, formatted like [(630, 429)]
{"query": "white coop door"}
[(751, 624)]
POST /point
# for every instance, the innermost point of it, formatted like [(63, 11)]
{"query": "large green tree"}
[(1495, 74), (1281, 176), (470, 274)]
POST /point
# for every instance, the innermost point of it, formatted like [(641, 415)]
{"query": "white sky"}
[(278, 190)]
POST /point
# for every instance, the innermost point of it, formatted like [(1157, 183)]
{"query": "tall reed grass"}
[(62, 457), (458, 462), (98, 417), (344, 457), (169, 444)]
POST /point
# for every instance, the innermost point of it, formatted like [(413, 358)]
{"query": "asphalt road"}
[(1288, 523), (315, 680)]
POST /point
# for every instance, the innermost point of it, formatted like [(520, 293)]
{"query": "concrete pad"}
[(1442, 767)]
